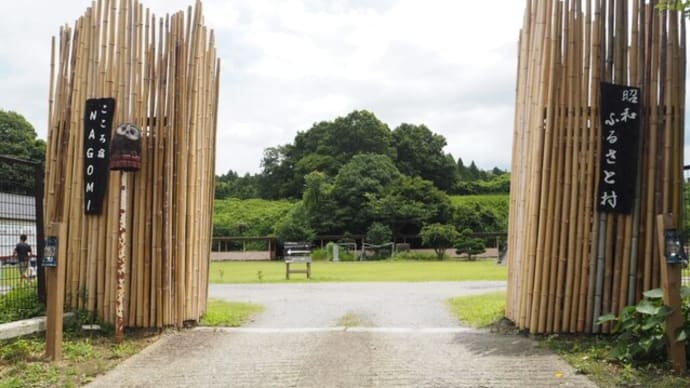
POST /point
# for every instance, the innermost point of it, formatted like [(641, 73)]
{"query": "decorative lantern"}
[(125, 148), (673, 249)]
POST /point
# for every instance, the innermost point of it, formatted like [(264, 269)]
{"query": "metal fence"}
[(21, 199)]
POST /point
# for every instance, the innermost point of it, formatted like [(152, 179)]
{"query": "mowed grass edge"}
[(371, 271), (479, 310), (231, 314)]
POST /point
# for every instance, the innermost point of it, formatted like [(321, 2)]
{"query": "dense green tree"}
[(294, 226), (439, 237), (467, 243), (420, 153), (379, 233), (462, 170), (18, 139), (325, 147), (410, 203), (473, 172), (319, 203), (477, 218), (231, 185), (277, 178), (496, 172), (366, 176)]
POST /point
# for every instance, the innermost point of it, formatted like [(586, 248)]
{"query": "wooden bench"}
[(297, 253)]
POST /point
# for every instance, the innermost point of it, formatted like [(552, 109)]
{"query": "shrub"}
[(641, 329), (415, 256), (20, 303), (320, 254), (467, 243), (439, 237)]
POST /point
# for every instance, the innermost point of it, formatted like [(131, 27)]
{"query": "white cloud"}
[(288, 64)]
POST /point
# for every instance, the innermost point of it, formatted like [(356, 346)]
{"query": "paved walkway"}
[(345, 335)]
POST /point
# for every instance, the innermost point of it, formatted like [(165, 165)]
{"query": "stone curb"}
[(27, 326)]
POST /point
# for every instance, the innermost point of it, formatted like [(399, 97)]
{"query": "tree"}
[(420, 153), (276, 177), (325, 147), (467, 243), (473, 172), (674, 5), (319, 204), (231, 185), (439, 237), (474, 216), (295, 226), (410, 203), (462, 170), (366, 176), (379, 234), (18, 139)]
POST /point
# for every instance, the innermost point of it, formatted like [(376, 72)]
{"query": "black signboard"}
[(620, 132), (98, 122)]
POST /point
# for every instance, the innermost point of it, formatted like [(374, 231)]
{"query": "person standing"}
[(22, 251)]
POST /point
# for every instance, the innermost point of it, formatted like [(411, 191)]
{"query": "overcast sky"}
[(287, 64)]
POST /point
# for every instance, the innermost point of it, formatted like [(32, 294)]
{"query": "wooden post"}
[(55, 287), (670, 282), (121, 261)]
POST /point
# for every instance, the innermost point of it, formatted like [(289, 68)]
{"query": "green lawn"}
[(369, 271), (479, 310)]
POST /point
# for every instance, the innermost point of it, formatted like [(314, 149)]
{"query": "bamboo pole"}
[(588, 173), (542, 157), (513, 255), (550, 259)]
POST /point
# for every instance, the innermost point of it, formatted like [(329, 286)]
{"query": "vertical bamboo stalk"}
[(541, 176), (513, 254), (588, 174)]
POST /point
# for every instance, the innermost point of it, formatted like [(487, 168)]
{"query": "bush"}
[(320, 254), (641, 329), (415, 256), (379, 234), (439, 237), (20, 303), (469, 244)]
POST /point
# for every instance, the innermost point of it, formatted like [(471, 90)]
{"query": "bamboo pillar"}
[(163, 73), (568, 263)]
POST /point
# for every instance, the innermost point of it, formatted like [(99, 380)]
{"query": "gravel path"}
[(345, 335), (384, 304)]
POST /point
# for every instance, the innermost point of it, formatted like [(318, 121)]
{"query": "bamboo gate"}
[(164, 75), (569, 264)]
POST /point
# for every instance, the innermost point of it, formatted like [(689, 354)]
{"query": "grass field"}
[(371, 271)]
